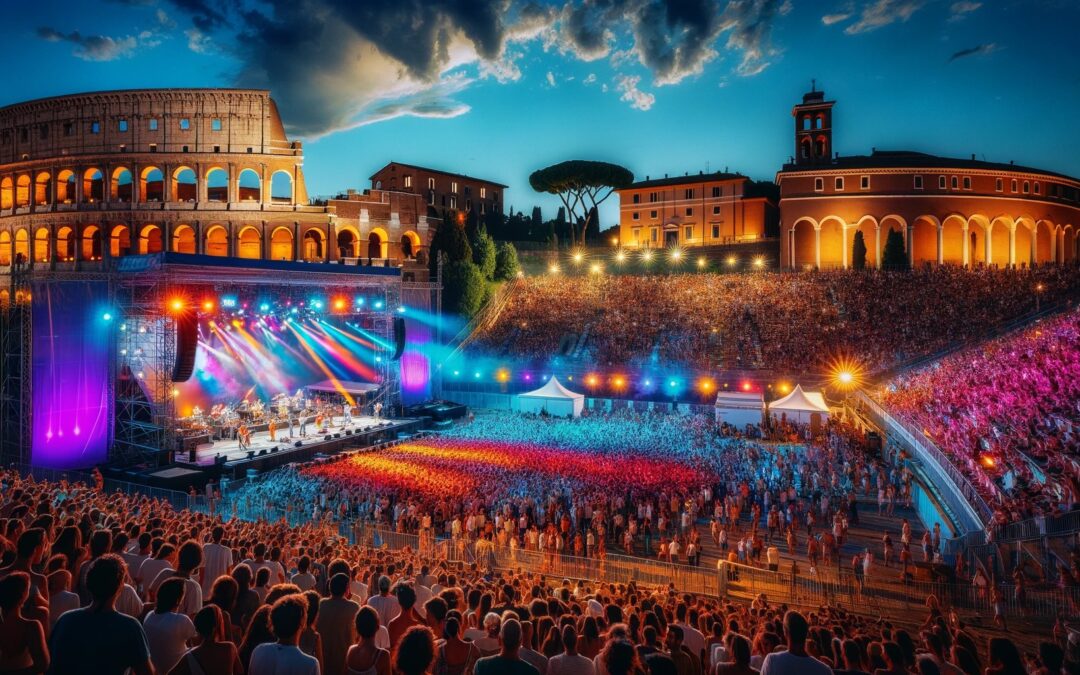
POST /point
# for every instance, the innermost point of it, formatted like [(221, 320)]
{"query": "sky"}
[(500, 88)]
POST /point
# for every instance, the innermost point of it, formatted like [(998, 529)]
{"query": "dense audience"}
[(787, 322), (1008, 414)]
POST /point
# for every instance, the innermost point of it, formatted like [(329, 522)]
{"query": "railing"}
[(483, 318)]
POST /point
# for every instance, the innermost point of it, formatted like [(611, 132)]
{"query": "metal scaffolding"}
[(15, 351)]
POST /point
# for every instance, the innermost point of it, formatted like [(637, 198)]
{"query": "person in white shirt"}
[(167, 631), (570, 662), (384, 603), (188, 560), (303, 578), (794, 661), (692, 637), (287, 618), (60, 598), (217, 559)]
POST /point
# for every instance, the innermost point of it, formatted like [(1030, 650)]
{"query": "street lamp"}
[(1039, 288)]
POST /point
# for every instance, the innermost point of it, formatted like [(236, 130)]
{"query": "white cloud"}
[(628, 85), (959, 10), (830, 19), (880, 13), (93, 47), (550, 77), (590, 78), (198, 42)]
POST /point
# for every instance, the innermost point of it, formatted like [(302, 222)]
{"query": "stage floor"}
[(230, 449)]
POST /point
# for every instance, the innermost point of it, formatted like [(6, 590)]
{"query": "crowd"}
[(791, 323), (102, 583), (1008, 414)]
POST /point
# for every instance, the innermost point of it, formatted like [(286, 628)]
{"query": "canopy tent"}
[(801, 406), (739, 409), (552, 398)]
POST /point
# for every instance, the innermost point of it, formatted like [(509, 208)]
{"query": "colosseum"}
[(89, 177), (948, 211)]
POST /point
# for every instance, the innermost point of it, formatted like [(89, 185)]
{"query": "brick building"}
[(441, 189)]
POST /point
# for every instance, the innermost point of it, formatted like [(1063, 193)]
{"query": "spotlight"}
[(706, 386), (339, 304), (845, 377), (591, 380), (578, 257), (701, 262), (759, 262), (265, 307), (554, 268), (317, 304), (784, 387), (293, 311), (208, 305), (620, 256), (646, 256), (732, 261), (675, 255), (618, 382), (673, 383), (476, 375), (176, 304), (378, 304), (401, 310), (596, 268), (359, 302), (746, 386), (106, 316), (647, 382), (503, 375)]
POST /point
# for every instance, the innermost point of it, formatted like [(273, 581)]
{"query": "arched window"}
[(65, 244), (821, 147), (41, 189), (805, 147), (281, 244), (65, 187), (41, 245), (346, 243), (91, 243), (313, 246), (819, 121), (121, 187), (152, 184), (7, 193), (183, 185), (376, 240), (183, 239), (22, 247), (806, 123), (150, 240), (217, 241), (93, 186), (250, 186), (217, 185), (22, 191), (120, 241), (249, 244), (5, 249), (281, 188), (410, 244)]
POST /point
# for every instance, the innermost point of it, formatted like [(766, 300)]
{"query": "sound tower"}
[(187, 341), (399, 337)]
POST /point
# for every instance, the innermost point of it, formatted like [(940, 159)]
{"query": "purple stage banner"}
[(71, 365)]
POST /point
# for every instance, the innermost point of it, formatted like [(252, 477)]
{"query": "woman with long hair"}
[(455, 656), (415, 654), (214, 654), (258, 632), (365, 657)]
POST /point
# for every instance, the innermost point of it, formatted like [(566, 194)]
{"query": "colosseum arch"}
[(216, 241), (924, 241), (7, 193), (249, 243), (281, 244), (41, 245), (313, 246), (806, 147), (22, 190), (410, 244), (5, 248), (151, 239), (869, 228), (151, 184), (42, 193), (217, 184), (1044, 242), (831, 242), (978, 231), (952, 240), (377, 243), (888, 224), (22, 245), (804, 243), (1001, 241), (1024, 241), (281, 188), (91, 243), (184, 186), (183, 239), (65, 187), (250, 187), (119, 241), (65, 244), (121, 185), (348, 241), (1067, 244), (93, 186)]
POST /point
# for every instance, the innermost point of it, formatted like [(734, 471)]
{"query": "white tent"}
[(800, 406), (739, 409), (553, 398)]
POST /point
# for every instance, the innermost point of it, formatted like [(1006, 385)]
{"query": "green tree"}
[(582, 186), (858, 252), (483, 248), (464, 288), (506, 262), (894, 257)]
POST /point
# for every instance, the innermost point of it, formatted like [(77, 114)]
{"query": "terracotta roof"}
[(439, 171), (898, 159)]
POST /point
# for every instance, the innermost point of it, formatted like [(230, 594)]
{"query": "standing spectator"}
[(415, 654), (167, 631), (794, 661), (336, 624), (287, 618), (508, 660), (213, 654), (22, 640)]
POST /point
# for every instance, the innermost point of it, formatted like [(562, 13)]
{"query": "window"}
[(652, 214), (967, 182), (483, 208), (153, 124), (494, 195), (217, 148), (864, 182), (999, 185), (1013, 185), (123, 147), (715, 231), (453, 187), (468, 205), (716, 210), (250, 150), (955, 182), (215, 124), (655, 234), (69, 128), (689, 211), (941, 182), (637, 199), (819, 184), (43, 131), (483, 193), (636, 215), (918, 182), (1027, 187), (839, 182), (184, 148), (453, 201), (652, 196), (636, 233), (95, 127), (408, 181), (468, 190), (121, 126), (688, 232), (689, 192), (431, 183), (153, 147), (185, 123), (1037, 188), (717, 191)]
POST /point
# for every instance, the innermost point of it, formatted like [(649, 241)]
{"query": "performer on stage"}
[(378, 409), (243, 436), (272, 428), (347, 412), (288, 417), (303, 424)]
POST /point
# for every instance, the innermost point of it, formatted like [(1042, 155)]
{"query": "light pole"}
[(1039, 287)]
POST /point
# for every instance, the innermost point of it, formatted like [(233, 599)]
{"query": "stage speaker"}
[(348, 432), (338, 435), (251, 454), (327, 437), (298, 444), (191, 455), (187, 341), (262, 452), (399, 337)]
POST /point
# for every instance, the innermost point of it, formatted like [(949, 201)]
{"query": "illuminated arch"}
[(151, 239), (831, 242), (804, 243), (183, 239), (410, 244), (42, 193), (889, 223), (313, 246), (22, 246), (121, 185), (249, 186), (249, 243), (7, 193), (22, 190), (93, 186), (806, 147), (1069, 241), (119, 241), (90, 246), (1044, 242), (281, 187), (65, 244), (978, 233), (217, 184), (952, 239), (41, 245), (184, 185), (377, 243), (5, 248), (924, 241), (1024, 241), (348, 241), (821, 146), (151, 184), (1000, 240), (868, 225), (281, 244), (65, 187), (217, 241)]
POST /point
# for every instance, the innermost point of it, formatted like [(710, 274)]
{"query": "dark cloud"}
[(92, 47), (979, 50), (206, 15)]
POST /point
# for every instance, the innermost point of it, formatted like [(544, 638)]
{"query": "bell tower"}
[(813, 128)]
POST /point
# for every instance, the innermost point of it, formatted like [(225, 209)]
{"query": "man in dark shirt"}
[(507, 661), (98, 640)]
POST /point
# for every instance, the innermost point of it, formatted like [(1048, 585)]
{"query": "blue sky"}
[(498, 88)]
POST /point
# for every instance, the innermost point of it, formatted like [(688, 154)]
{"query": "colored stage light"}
[(578, 257), (732, 261), (647, 382), (265, 307), (176, 304), (618, 382), (646, 255), (620, 256), (706, 385), (596, 268), (339, 304), (476, 375), (208, 305), (845, 376), (784, 387), (675, 255), (317, 304), (359, 301), (228, 301), (401, 310), (591, 380), (502, 375), (759, 262), (702, 262), (746, 386), (673, 383), (457, 372), (106, 316), (554, 269), (293, 311), (378, 304)]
